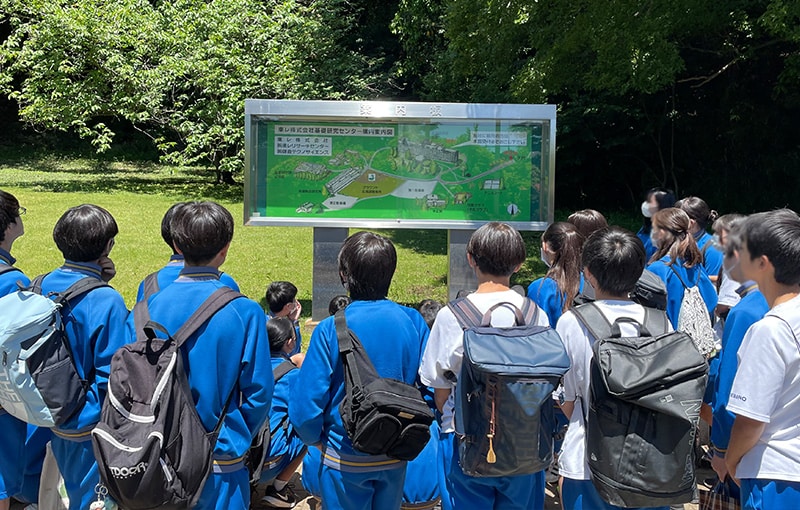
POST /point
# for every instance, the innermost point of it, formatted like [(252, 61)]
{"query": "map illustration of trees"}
[(451, 170)]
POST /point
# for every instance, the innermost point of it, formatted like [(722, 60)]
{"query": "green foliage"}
[(178, 71)]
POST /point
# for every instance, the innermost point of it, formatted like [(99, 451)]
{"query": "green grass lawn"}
[(138, 194)]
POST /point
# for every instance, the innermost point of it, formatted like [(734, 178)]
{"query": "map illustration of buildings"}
[(460, 170)]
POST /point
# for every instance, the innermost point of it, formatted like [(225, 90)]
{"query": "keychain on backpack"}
[(103, 501)]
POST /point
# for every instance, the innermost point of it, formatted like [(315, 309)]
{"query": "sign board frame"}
[(505, 123)]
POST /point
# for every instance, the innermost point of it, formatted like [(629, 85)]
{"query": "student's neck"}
[(6, 245), (776, 293), (493, 284)]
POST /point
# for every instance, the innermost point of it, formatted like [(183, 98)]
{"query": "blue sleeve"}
[(713, 261), (545, 293), (108, 333), (674, 289), (309, 401), (229, 281), (255, 382), (8, 282), (708, 290)]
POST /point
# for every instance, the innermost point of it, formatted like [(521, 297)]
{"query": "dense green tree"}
[(178, 70)]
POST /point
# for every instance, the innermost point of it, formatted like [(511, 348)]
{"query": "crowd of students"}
[(748, 274)]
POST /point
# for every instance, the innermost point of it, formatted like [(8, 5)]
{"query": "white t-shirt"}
[(767, 389), (578, 342), (445, 349)]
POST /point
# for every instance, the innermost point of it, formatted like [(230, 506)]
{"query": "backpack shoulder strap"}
[(466, 313), (530, 312), (36, 284), (4, 268), (655, 321), (590, 316), (214, 303), (150, 285), (672, 267), (282, 369), (348, 345), (80, 288)]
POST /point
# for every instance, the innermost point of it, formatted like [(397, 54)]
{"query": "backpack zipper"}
[(492, 394)]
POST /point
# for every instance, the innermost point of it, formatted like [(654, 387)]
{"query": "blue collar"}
[(176, 260), (6, 257), (87, 268), (746, 288), (199, 273)]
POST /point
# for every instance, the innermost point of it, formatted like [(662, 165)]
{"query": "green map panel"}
[(462, 170)]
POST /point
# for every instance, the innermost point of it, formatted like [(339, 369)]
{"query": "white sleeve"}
[(443, 353), (573, 335)]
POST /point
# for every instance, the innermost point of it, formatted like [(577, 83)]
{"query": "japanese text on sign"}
[(303, 145), (515, 138), (334, 130)]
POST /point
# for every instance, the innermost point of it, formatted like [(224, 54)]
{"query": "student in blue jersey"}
[(613, 260), (171, 271), (286, 449), (230, 354), (677, 249), (561, 253), (14, 430), (393, 336), (701, 217), (764, 448), (95, 328), (281, 298), (495, 252), (655, 200), (750, 309)]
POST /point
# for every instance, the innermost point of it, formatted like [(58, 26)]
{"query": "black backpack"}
[(503, 398), (259, 447), (151, 448), (650, 291), (381, 416), (643, 410)]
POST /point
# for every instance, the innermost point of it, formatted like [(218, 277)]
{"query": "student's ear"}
[(107, 250), (516, 269), (470, 261), (177, 250), (589, 277)]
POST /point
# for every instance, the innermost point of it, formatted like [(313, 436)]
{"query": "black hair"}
[(698, 210), (588, 221), (9, 211), (279, 331), (83, 232), (339, 302), (664, 197), (775, 234), (616, 258), (280, 294), (367, 262), (497, 249), (200, 230), (166, 233), (428, 308), (565, 242)]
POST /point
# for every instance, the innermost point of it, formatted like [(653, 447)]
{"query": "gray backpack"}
[(151, 448), (643, 410)]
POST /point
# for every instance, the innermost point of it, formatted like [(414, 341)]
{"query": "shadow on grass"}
[(183, 187), (429, 242)]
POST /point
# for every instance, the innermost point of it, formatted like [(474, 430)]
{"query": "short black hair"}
[(279, 331), (166, 233), (367, 262), (83, 232), (775, 234), (279, 294), (200, 230), (665, 197), (9, 210), (428, 308), (497, 249), (616, 258), (339, 302)]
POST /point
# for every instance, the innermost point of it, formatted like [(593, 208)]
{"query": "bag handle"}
[(599, 326), (468, 315)]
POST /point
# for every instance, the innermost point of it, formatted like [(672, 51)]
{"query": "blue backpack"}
[(39, 382), (504, 416)]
